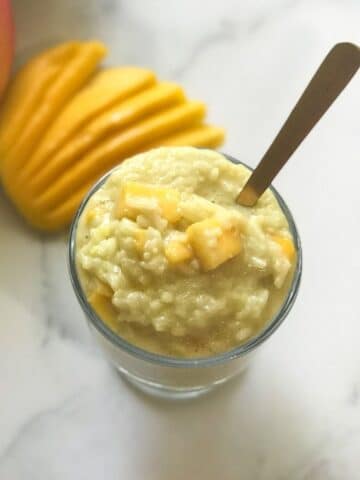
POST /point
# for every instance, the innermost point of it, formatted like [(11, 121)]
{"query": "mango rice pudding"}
[(172, 264)]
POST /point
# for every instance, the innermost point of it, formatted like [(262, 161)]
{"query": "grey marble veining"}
[(64, 413)]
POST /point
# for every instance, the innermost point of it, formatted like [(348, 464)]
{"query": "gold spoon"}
[(335, 72)]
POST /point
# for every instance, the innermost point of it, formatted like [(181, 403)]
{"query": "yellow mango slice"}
[(177, 251), (286, 245), (117, 118), (104, 308), (27, 90), (113, 150), (53, 219), (72, 77), (214, 242), (27, 84), (200, 136), (109, 86), (137, 198), (61, 215), (84, 134), (161, 96)]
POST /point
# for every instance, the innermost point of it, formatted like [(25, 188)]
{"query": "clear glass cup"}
[(170, 376)]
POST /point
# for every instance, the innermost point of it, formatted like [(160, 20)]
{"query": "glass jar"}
[(170, 376)]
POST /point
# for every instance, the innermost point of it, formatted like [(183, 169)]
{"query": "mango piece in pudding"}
[(178, 250), (103, 307), (214, 241), (286, 246), (136, 198)]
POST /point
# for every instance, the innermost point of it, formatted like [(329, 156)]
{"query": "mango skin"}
[(6, 42)]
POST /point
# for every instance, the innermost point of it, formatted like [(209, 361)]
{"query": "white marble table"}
[(64, 413)]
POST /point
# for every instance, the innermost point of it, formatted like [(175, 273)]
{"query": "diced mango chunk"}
[(286, 245), (178, 251), (136, 199), (90, 215), (214, 242), (140, 239), (104, 289), (104, 308)]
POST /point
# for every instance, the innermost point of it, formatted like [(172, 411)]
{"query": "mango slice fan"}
[(65, 121)]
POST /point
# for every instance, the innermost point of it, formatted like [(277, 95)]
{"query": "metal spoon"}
[(331, 78)]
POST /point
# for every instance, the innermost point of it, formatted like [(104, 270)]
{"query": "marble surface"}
[(64, 413)]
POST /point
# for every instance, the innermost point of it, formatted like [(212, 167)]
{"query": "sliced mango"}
[(72, 77), (57, 138), (50, 220), (136, 199), (286, 245), (200, 136), (178, 251), (112, 151), (27, 90), (108, 87), (214, 242), (117, 118), (159, 97)]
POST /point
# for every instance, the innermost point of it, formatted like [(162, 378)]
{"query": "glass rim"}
[(169, 361)]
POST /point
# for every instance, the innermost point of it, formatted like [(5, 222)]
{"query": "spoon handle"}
[(331, 78)]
